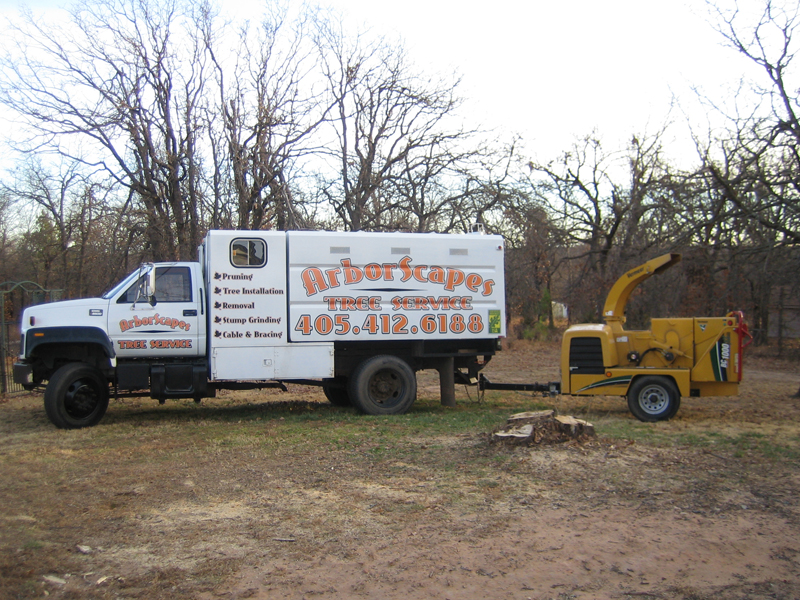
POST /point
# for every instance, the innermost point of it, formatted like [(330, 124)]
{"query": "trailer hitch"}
[(552, 388)]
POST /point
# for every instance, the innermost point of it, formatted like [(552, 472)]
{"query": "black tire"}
[(337, 394), (383, 385), (653, 399), (76, 396)]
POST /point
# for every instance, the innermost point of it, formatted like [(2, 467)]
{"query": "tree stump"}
[(541, 427)]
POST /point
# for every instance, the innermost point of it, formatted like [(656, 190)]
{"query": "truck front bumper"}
[(23, 374)]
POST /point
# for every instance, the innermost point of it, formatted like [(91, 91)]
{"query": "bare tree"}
[(452, 187), (424, 196), (6, 238), (51, 198), (120, 87), (534, 252), (388, 122), (752, 169), (268, 111), (757, 166), (610, 207), (67, 212)]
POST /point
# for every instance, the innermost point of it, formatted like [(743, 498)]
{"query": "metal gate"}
[(15, 296)]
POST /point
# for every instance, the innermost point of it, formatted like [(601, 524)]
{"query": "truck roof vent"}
[(459, 252), (340, 249), (401, 250)]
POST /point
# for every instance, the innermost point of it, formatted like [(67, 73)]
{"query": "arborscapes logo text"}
[(155, 320), (316, 280)]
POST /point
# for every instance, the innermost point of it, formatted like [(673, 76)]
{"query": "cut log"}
[(531, 417), (523, 431), (542, 427), (574, 427)]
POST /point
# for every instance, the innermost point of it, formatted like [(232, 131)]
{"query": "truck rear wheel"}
[(653, 399), (76, 396), (383, 385)]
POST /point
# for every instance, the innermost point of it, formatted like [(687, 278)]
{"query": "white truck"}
[(357, 313)]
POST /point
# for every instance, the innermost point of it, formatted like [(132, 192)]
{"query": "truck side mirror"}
[(147, 285), (150, 290)]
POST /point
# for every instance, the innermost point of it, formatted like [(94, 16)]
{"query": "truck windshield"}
[(121, 285), (173, 284)]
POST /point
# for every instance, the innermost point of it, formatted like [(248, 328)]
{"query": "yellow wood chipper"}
[(699, 356)]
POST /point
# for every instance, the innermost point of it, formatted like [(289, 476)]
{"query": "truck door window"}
[(173, 284), (248, 253)]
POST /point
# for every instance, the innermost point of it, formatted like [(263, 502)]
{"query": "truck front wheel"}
[(337, 394), (653, 399), (383, 385), (76, 396)]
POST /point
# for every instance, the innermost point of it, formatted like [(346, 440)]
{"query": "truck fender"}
[(45, 336)]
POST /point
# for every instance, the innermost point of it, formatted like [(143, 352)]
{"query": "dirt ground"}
[(233, 502)]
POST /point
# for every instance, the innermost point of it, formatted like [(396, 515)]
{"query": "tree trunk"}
[(542, 427)]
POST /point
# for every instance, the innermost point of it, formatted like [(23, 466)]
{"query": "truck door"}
[(173, 326)]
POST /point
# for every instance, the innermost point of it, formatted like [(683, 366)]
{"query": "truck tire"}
[(76, 396), (383, 385), (337, 394), (653, 399)]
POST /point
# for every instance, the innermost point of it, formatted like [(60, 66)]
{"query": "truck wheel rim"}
[(385, 387), (654, 400), (81, 399)]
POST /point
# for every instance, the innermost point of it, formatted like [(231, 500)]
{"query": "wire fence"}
[(7, 385), (15, 296)]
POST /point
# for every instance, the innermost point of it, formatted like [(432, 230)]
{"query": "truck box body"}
[(379, 286), (247, 294), (278, 301)]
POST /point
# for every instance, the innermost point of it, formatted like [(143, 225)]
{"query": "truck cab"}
[(170, 321), (157, 311), (119, 324)]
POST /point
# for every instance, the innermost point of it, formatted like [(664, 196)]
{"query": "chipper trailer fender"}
[(654, 368)]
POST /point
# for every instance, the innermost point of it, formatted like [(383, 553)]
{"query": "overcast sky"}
[(553, 71)]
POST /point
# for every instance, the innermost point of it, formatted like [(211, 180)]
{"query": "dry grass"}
[(267, 495)]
